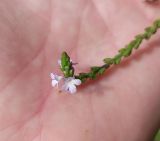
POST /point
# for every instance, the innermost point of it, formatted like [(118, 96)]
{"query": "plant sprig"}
[(68, 69)]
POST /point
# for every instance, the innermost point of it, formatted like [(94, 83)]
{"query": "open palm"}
[(121, 105)]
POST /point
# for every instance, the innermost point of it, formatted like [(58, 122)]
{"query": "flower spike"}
[(71, 81)]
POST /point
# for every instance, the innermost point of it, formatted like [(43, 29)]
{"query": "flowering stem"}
[(123, 52)]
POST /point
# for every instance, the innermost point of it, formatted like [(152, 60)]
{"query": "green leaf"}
[(157, 23), (92, 75), (101, 71), (151, 30), (127, 52), (122, 50), (117, 59), (147, 29), (139, 36), (138, 42), (95, 69), (131, 44), (108, 61), (147, 35)]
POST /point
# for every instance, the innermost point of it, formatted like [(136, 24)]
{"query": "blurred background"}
[(157, 138)]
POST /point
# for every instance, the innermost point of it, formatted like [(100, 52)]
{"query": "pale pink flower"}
[(55, 79), (70, 84)]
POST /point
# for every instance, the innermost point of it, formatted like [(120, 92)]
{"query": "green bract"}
[(66, 65)]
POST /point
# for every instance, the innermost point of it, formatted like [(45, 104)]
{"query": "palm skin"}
[(121, 105)]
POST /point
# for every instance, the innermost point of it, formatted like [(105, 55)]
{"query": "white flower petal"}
[(54, 83), (76, 81), (70, 84), (72, 89), (55, 77), (52, 76)]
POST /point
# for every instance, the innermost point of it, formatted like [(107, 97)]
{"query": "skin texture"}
[(121, 105)]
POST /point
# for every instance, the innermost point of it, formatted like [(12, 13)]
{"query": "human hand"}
[(121, 105)]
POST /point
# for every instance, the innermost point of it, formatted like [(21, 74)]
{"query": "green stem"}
[(124, 52)]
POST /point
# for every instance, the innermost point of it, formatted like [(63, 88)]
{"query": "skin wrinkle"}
[(74, 49), (39, 113), (40, 110), (32, 113), (79, 30), (20, 129), (41, 134), (151, 10), (26, 65), (80, 26), (38, 132), (9, 126), (103, 19), (71, 49), (18, 125), (19, 73), (7, 18), (144, 13), (113, 22), (16, 132), (32, 116), (94, 18), (94, 115), (106, 12)]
